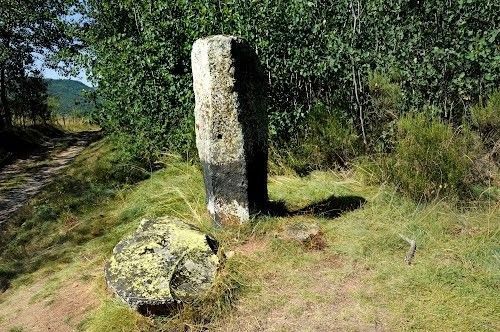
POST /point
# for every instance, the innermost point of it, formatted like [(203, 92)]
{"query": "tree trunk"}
[(5, 116)]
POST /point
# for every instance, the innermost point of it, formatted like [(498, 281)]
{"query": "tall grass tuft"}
[(486, 120), (431, 159)]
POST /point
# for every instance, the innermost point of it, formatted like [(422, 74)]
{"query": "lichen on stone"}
[(231, 127), (164, 261)]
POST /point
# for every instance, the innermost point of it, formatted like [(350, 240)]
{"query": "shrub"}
[(139, 52), (432, 159), (331, 141), (487, 115), (486, 120), (386, 103)]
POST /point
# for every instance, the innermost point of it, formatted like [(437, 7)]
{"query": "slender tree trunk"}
[(5, 113), (5, 117), (358, 100)]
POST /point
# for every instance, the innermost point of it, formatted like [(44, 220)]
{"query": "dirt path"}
[(37, 308), (24, 178)]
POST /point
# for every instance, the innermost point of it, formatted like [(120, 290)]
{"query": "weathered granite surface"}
[(165, 262), (231, 127)]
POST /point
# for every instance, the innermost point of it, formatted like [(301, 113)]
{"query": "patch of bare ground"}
[(327, 295), (62, 311), (252, 246)]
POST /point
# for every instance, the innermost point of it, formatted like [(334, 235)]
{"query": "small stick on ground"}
[(413, 248)]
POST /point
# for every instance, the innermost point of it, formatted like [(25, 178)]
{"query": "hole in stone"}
[(219, 136), (213, 244)]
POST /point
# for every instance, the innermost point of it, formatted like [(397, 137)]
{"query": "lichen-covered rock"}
[(165, 262), (231, 127)]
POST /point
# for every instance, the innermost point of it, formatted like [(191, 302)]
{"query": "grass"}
[(19, 141), (358, 281), (114, 316), (74, 124)]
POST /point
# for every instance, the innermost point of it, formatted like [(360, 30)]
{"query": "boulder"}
[(164, 263)]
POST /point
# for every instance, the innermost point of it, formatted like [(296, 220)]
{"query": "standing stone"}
[(231, 127)]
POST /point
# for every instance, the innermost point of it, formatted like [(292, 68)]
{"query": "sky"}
[(54, 74), (51, 73)]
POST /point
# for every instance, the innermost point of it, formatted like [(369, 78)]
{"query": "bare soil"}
[(61, 311)]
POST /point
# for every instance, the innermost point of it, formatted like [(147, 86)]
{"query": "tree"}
[(27, 28), (29, 99), (315, 52)]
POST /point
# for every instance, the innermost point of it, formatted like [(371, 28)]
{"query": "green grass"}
[(114, 316), (75, 124), (359, 281)]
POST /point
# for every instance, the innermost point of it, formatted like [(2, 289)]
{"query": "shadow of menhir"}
[(330, 208), (333, 206)]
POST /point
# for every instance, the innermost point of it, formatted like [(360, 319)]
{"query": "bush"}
[(487, 115), (139, 51), (432, 159), (486, 120), (331, 141), (386, 104)]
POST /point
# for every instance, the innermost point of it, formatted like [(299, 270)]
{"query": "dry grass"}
[(357, 281), (75, 124), (35, 309)]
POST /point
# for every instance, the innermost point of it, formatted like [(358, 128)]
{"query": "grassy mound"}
[(53, 253)]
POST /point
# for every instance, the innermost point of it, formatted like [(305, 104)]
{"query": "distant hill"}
[(70, 96)]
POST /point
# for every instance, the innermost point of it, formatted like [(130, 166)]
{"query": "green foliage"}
[(432, 159), (330, 141), (445, 54), (70, 96), (28, 100), (387, 100), (28, 28), (53, 104), (486, 119), (386, 95)]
